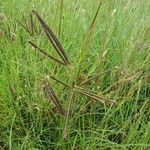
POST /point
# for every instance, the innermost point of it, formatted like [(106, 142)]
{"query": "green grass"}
[(117, 46)]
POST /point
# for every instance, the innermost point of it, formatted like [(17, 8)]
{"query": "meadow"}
[(75, 74)]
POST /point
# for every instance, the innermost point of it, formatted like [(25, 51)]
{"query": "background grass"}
[(118, 48)]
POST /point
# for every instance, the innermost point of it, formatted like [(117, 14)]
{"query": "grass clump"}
[(92, 92)]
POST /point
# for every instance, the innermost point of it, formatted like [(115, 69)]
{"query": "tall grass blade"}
[(93, 24), (60, 16), (88, 40)]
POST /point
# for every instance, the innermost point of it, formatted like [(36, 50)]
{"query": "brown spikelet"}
[(24, 20), (26, 28), (94, 96), (46, 54), (53, 96), (87, 93), (93, 24), (53, 39), (88, 40), (60, 82), (31, 24)]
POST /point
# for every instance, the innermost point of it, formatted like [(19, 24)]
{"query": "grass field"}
[(94, 95)]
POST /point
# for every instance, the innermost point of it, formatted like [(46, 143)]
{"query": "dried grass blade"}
[(46, 54), (53, 39), (53, 96)]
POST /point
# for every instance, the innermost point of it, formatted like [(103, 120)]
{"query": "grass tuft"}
[(94, 93)]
